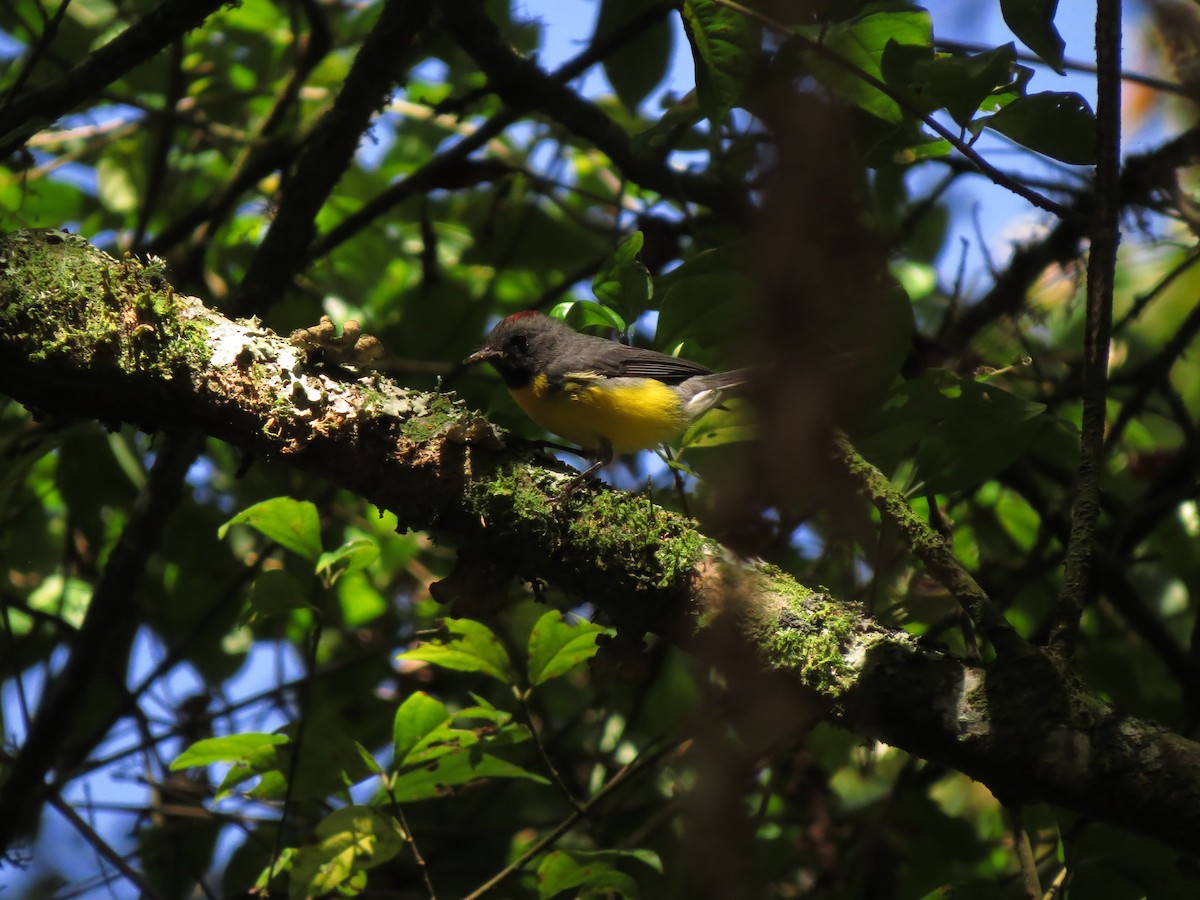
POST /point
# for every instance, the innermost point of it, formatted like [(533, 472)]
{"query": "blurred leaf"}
[(116, 187), (703, 304), (277, 592), (1062, 126), (64, 598), (718, 427), (1033, 22), (640, 65), (353, 839), (472, 647), (293, 524), (556, 647)]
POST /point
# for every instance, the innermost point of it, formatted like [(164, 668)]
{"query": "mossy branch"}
[(85, 335)]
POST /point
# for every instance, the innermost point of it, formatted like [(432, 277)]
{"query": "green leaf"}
[(703, 306), (582, 314), (862, 42), (454, 769), (64, 598), (960, 84), (1033, 22), (276, 592), (353, 839), (293, 524), (330, 763), (251, 748), (718, 427), (725, 47), (623, 283), (1060, 125), (418, 717), (593, 872), (472, 647), (640, 65), (352, 556), (965, 431), (115, 186), (556, 647)]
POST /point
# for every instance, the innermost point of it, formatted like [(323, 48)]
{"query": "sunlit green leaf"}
[(293, 524), (251, 748), (581, 314), (352, 840), (556, 647), (418, 716), (470, 647), (453, 770), (352, 556)]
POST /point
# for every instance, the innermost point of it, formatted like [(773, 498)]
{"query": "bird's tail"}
[(705, 392)]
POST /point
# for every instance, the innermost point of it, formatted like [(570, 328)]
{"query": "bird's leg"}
[(678, 477), (604, 456)]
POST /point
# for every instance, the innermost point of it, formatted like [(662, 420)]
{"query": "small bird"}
[(604, 396)]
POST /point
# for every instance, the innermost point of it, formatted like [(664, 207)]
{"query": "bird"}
[(602, 395)]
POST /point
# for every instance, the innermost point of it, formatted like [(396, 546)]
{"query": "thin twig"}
[(568, 823), (101, 846), (398, 810), (527, 715), (1070, 65), (297, 742), (1102, 263), (1024, 849)]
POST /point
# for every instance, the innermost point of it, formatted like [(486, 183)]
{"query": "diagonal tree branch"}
[(83, 334), (377, 67)]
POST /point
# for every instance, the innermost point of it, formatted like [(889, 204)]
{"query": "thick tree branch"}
[(327, 152), (83, 334), (930, 547)]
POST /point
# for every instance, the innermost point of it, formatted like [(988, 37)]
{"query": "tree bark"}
[(84, 335)]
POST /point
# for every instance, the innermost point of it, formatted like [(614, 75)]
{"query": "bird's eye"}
[(520, 343)]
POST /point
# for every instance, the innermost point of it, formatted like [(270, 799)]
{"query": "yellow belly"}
[(629, 414)]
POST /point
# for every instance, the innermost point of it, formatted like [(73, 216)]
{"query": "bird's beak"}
[(483, 354)]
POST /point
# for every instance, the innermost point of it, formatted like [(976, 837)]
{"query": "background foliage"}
[(797, 206)]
